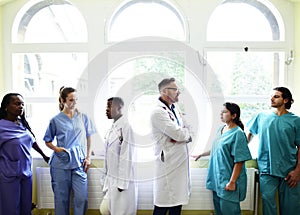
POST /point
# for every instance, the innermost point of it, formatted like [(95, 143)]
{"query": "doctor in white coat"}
[(172, 182), (119, 186)]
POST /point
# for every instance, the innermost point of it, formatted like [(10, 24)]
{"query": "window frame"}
[(98, 43)]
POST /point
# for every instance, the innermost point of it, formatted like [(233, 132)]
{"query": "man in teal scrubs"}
[(278, 154)]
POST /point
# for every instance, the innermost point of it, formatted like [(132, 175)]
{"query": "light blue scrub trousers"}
[(289, 198), (65, 180), (225, 207)]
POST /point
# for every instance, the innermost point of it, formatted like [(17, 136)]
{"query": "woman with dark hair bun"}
[(227, 172), (16, 141), (70, 160)]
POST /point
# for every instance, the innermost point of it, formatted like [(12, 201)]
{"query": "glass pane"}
[(136, 82), (247, 73), (248, 111), (38, 117), (146, 19), (242, 22), (47, 23), (42, 74)]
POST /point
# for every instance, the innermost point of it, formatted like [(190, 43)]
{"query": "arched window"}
[(55, 21), (245, 20), (247, 67), (140, 18), (56, 56), (48, 22)]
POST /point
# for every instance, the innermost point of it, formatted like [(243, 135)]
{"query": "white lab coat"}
[(172, 182), (120, 169)]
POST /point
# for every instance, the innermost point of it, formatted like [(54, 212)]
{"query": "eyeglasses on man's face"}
[(173, 88)]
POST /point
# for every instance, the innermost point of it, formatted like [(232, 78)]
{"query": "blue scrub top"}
[(278, 138), (72, 135), (15, 146), (228, 148)]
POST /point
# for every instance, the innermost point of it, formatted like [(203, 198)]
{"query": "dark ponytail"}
[(239, 123), (26, 124), (235, 109)]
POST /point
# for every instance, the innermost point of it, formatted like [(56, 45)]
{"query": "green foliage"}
[(249, 110), (151, 69), (249, 76)]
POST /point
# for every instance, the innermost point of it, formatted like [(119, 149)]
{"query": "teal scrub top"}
[(279, 137), (228, 148)]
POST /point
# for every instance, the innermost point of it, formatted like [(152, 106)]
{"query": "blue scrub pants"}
[(65, 180), (225, 207), (15, 196), (289, 198)]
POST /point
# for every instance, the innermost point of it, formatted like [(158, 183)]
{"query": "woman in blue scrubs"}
[(226, 172), (16, 141), (71, 157)]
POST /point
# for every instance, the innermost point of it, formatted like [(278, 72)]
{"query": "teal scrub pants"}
[(65, 180), (225, 207), (289, 198)]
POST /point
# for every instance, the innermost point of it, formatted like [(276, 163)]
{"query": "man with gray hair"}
[(171, 185)]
